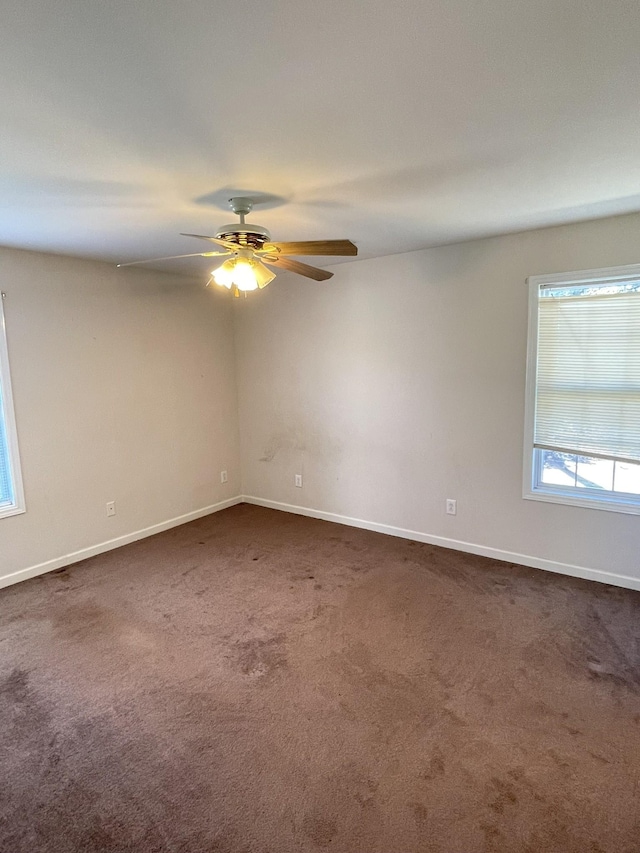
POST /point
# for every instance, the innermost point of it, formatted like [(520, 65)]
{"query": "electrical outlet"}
[(111, 508), (223, 477), (452, 506), (298, 481)]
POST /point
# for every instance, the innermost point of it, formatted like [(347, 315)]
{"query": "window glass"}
[(11, 494)]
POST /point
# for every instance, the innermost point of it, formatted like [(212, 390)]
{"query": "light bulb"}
[(243, 275), (223, 275)]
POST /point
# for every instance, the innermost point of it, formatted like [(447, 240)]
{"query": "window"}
[(582, 431), (11, 495)]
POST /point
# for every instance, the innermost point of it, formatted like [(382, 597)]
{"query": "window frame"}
[(18, 506), (533, 488)]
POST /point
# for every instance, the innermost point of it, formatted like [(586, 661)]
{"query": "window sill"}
[(559, 496), (12, 509)]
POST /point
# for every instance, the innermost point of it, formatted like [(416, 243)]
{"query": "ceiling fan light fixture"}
[(223, 275), (263, 274), (244, 276), (243, 273)]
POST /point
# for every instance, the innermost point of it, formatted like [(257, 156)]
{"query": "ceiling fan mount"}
[(241, 205), (251, 252)]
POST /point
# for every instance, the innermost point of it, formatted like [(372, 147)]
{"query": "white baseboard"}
[(482, 550), (93, 550)]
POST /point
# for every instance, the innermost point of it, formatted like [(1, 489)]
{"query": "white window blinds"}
[(587, 395)]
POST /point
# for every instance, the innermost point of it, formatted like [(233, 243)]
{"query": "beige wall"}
[(400, 383), (124, 390), (397, 384)]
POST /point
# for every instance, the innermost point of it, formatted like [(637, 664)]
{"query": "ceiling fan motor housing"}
[(244, 233)]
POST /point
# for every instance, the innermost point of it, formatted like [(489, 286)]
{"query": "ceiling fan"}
[(252, 252)]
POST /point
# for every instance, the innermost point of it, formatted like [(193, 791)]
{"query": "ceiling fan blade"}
[(313, 247), (226, 243), (173, 257), (298, 267)]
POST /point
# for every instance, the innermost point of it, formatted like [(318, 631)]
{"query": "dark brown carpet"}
[(257, 681)]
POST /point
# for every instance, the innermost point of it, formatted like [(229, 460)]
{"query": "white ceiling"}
[(400, 125)]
